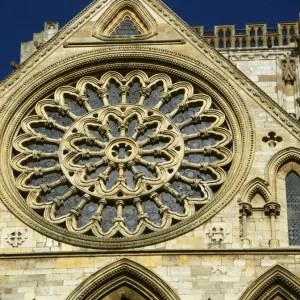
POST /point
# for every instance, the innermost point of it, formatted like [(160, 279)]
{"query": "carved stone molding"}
[(245, 209), (255, 186), (276, 162), (276, 282), (217, 234), (124, 273), (151, 150), (272, 209), (288, 66), (16, 237), (239, 121), (119, 11)]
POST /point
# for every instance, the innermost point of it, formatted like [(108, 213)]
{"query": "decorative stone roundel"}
[(122, 156)]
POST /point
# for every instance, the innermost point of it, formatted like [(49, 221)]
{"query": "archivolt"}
[(277, 161), (124, 273), (112, 18), (256, 185), (276, 282)]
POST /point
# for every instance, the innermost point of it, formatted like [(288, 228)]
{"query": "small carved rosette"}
[(122, 156)]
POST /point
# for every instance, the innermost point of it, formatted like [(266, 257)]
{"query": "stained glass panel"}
[(131, 157), (293, 207), (126, 28)]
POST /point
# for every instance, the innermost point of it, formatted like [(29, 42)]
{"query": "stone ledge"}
[(229, 252)]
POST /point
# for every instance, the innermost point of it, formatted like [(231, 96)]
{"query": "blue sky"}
[(20, 19)]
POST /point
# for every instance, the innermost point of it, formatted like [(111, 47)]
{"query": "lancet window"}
[(293, 207)]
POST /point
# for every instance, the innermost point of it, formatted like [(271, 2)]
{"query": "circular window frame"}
[(199, 74)]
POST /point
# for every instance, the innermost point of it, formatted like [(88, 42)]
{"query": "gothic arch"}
[(257, 185), (276, 162), (118, 11), (276, 282), (124, 273)]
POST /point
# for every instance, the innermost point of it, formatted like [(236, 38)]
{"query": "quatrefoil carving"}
[(272, 139)]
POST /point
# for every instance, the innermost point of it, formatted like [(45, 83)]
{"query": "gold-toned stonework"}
[(122, 155), (223, 99)]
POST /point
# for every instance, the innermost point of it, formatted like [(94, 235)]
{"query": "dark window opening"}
[(293, 207)]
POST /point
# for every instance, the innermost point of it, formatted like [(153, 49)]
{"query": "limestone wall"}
[(28, 48), (194, 276), (265, 69)]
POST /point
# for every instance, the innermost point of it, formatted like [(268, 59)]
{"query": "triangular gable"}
[(184, 31)]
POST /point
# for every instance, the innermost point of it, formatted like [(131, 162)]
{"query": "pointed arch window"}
[(127, 27), (292, 30), (293, 207), (284, 31), (259, 32)]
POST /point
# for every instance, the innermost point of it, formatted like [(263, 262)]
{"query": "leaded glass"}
[(122, 156), (127, 28), (293, 207)]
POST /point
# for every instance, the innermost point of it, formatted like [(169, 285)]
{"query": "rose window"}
[(122, 156)]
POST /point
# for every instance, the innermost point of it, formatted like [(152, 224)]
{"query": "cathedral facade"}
[(142, 158)]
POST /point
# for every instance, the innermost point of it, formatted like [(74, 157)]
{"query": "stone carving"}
[(127, 273), (16, 238), (272, 139), (14, 65), (245, 209), (288, 70), (272, 209), (125, 20), (122, 155), (216, 235), (277, 281)]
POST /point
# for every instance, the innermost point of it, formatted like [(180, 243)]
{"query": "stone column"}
[(272, 209), (245, 211)]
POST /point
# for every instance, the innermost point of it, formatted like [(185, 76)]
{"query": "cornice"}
[(114, 253)]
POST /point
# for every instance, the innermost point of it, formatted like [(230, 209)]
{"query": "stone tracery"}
[(123, 155)]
